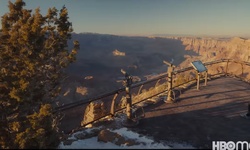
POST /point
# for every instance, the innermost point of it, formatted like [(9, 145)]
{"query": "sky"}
[(149, 17)]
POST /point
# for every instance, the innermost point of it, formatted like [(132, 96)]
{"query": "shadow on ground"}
[(200, 117)]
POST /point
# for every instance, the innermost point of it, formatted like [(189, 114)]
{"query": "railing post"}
[(129, 122), (198, 80), (227, 66), (242, 71), (247, 115), (139, 91), (170, 83), (112, 110), (248, 110), (206, 78)]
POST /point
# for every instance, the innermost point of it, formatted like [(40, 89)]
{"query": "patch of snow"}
[(93, 143)]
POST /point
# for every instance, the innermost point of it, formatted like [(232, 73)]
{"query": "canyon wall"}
[(209, 49)]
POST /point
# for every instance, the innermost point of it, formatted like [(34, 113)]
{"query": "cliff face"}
[(209, 49), (236, 48)]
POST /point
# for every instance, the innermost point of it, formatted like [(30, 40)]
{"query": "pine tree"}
[(33, 55)]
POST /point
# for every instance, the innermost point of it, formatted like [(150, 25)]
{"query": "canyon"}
[(101, 57)]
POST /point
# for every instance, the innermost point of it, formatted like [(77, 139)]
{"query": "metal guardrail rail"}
[(86, 101), (152, 87)]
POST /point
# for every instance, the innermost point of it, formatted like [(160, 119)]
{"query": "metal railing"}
[(116, 100)]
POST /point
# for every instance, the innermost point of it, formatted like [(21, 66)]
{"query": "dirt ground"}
[(199, 117)]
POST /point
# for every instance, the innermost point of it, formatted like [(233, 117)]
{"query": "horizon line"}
[(168, 34)]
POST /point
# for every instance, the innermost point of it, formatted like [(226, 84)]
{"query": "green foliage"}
[(33, 55), (39, 127)]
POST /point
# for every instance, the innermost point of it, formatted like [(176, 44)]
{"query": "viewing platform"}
[(198, 117), (192, 112)]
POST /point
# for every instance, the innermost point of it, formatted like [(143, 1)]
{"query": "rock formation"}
[(118, 53), (112, 137), (93, 111), (209, 49)]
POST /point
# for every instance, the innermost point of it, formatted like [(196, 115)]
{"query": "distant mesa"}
[(118, 53), (88, 77), (133, 66), (238, 39)]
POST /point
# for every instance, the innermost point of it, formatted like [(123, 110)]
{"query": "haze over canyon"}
[(102, 56)]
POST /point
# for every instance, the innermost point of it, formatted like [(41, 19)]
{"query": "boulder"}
[(93, 111), (112, 137)]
